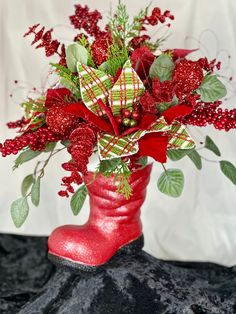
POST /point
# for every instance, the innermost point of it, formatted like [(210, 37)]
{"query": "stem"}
[(164, 167), (209, 160)]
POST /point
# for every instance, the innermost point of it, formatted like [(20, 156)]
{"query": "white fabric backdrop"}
[(201, 224)]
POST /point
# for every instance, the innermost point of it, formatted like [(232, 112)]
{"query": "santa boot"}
[(114, 224)]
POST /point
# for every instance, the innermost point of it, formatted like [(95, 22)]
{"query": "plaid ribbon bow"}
[(96, 85)]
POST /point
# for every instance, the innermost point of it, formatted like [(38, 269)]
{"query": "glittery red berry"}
[(126, 113), (135, 115)]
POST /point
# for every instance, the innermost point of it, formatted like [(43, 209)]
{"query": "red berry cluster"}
[(87, 20), (157, 17), (129, 117), (16, 124), (73, 178), (205, 114), (50, 45), (34, 140), (209, 66), (82, 142)]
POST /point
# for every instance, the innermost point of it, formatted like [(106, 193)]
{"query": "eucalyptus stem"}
[(209, 160)]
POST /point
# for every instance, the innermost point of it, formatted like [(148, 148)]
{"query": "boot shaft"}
[(106, 202)]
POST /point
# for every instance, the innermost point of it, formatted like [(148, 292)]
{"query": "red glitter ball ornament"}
[(188, 76), (61, 122), (100, 49)]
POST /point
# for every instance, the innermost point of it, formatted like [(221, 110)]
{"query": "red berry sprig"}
[(204, 114), (16, 124), (87, 20), (44, 40), (36, 141), (82, 141)]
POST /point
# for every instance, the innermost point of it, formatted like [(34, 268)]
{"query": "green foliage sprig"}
[(120, 170)]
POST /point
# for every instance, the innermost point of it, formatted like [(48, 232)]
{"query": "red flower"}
[(188, 76), (148, 103), (162, 91), (142, 59)]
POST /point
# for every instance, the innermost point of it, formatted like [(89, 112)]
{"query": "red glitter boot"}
[(114, 225)]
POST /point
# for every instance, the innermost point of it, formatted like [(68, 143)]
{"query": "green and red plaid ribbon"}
[(126, 91), (110, 146), (94, 85), (179, 137)]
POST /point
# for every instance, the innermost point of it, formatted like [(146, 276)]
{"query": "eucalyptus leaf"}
[(35, 192), (50, 147), (196, 158), (171, 182), (19, 211), (229, 170), (209, 144), (26, 184), (162, 68), (25, 156), (176, 154), (78, 199), (65, 143), (76, 53), (211, 89)]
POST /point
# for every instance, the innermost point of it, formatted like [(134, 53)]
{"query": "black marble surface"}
[(29, 284)]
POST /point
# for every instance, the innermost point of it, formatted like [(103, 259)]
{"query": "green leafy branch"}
[(171, 181), (30, 186), (68, 79), (120, 170), (120, 26)]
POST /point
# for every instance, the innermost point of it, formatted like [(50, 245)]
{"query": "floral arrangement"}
[(120, 96)]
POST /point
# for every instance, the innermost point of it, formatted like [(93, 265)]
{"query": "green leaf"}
[(19, 211), (211, 89), (171, 182), (228, 170), (143, 161), (162, 68), (50, 147), (177, 154), (26, 184), (196, 158), (76, 53), (35, 192), (65, 143), (209, 144), (25, 156), (78, 199), (108, 166)]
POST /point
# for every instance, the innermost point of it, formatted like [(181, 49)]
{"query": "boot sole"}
[(129, 249)]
